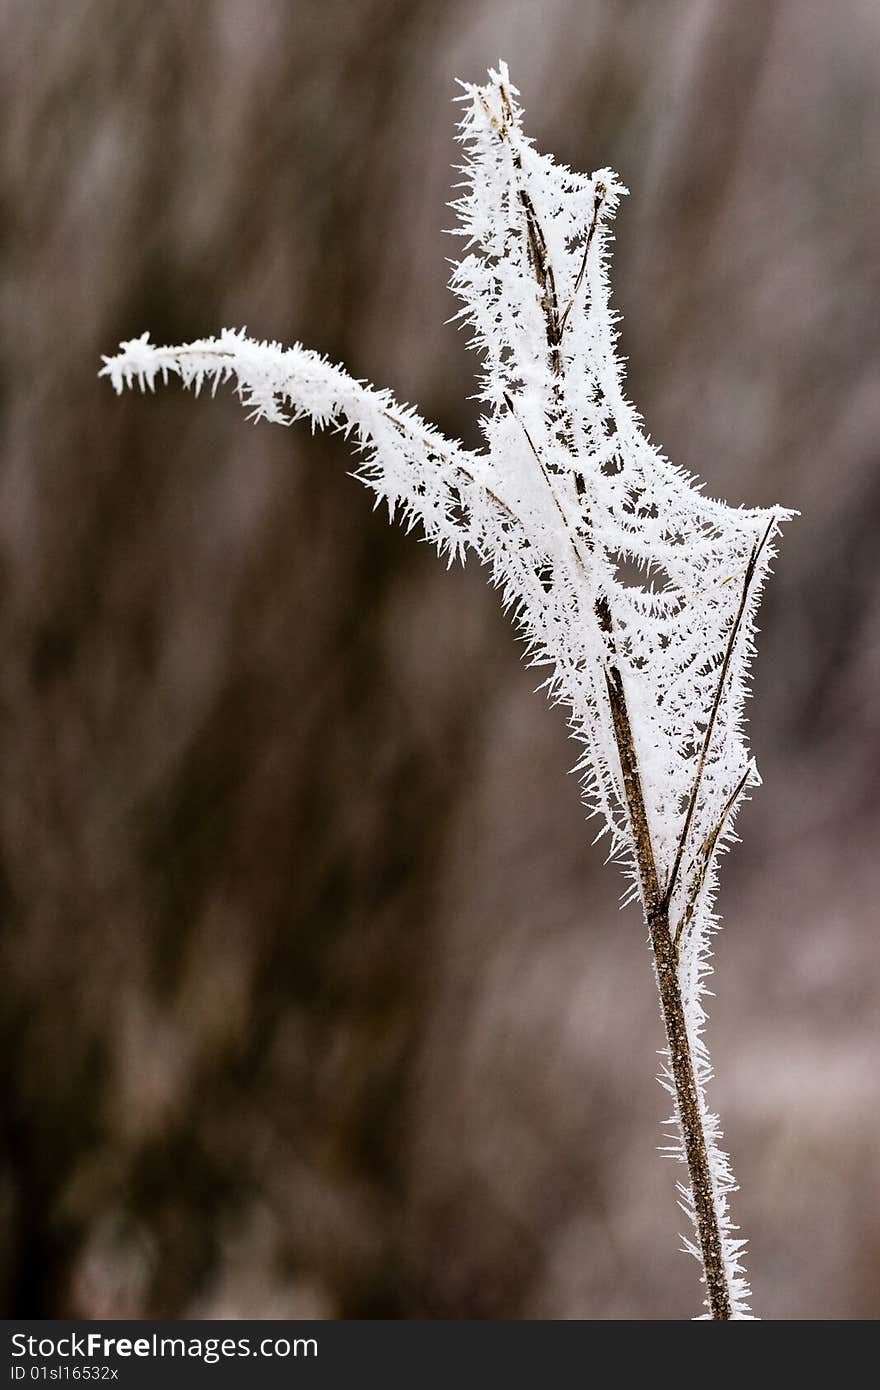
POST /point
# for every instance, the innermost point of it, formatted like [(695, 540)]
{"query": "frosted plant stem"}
[(688, 1110), (567, 490)]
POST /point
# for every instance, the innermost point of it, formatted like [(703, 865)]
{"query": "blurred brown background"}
[(315, 999)]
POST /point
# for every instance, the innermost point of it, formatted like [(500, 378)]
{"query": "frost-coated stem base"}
[(689, 1118)]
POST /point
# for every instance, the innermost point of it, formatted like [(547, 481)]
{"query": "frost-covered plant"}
[(567, 499)]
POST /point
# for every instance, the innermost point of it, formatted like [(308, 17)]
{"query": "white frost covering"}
[(568, 503)]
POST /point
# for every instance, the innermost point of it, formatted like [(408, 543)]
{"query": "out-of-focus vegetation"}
[(315, 999)]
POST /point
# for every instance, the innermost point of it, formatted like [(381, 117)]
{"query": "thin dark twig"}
[(570, 530), (705, 858), (540, 462), (597, 203), (716, 704), (457, 465), (535, 240), (510, 406)]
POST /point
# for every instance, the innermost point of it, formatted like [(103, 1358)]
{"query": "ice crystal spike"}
[(567, 501)]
